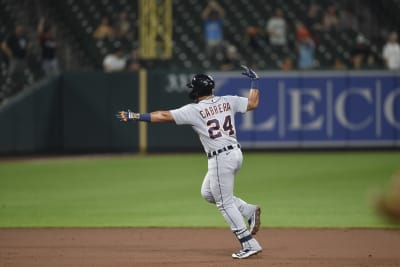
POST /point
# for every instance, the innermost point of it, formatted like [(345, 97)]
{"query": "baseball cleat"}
[(254, 221), (245, 253)]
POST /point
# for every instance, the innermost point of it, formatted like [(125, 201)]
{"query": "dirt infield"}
[(196, 247)]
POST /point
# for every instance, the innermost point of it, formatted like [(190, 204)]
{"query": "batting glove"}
[(249, 73), (252, 75), (127, 116)]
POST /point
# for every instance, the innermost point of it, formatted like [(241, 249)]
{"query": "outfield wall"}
[(320, 109), (71, 113), (75, 112)]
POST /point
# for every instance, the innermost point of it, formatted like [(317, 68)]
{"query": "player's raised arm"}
[(155, 116), (253, 99), (253, 93)]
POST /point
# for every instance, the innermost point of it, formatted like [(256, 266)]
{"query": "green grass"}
[(294, 189)]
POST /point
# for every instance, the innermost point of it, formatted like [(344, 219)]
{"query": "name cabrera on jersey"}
[(212, 119)]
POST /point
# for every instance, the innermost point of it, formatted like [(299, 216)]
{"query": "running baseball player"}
[(212, 118)]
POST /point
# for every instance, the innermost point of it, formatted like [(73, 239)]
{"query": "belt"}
[(219, 151)]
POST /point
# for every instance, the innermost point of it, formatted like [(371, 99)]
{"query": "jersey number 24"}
[(214, 127)]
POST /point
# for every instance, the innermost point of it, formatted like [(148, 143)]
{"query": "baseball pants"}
[(218, 186)]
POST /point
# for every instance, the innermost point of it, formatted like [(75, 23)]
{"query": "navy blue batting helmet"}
[(201, 85)]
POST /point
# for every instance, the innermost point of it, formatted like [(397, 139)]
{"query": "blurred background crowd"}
[(41, 38)]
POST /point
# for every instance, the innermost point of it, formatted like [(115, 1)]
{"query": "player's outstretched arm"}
[(156, 116), (253, 93), (161, 116)]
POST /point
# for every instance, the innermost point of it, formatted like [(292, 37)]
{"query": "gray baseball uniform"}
[(213, 120)]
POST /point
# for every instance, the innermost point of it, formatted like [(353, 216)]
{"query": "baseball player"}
[(212, 118)]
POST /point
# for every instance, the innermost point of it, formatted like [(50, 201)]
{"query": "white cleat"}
[(245, 253), (254, 221)]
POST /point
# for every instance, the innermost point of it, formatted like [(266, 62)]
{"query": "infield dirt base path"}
[(196, 247)]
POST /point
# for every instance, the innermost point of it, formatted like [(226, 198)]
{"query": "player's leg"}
[(250, 212), (221, 180), (221, 174), (244, 208), (206, 189)]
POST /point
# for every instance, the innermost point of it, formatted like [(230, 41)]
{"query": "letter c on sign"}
[(389, 108), (340, 108)]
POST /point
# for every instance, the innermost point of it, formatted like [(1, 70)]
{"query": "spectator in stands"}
[(391, 52), (347, 20), (123, 27), (104, 30), (301, 31), (252, 37), (330, 20), (313, 19), (48, 44), (305, 47), (115, 61), (286, 64), (133, 62), (2, 54), (306, 50), (361, 54), (338, 64), (16, 47), (231, 60), (276, 30), (213, 16)]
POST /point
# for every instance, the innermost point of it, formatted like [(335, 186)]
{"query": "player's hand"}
[(127, 116), (249, 73)]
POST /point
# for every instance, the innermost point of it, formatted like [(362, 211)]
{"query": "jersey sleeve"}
[(183, 115), (239, 103)]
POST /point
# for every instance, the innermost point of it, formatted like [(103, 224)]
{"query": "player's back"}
[(215, 121)]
